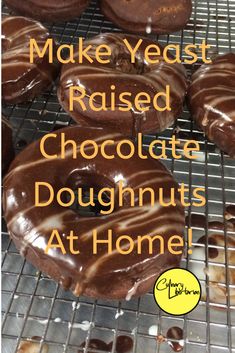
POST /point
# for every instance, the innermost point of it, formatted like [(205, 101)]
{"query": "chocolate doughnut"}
[(216, 270), (49, 11), (212, 101), (22, 81), (7, 145), (157, 16), (110, 276), (126, 77)]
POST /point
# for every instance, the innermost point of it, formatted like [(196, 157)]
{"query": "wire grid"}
[(34, 305)]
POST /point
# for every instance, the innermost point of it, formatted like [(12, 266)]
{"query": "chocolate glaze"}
[(49, 11), (175, 334), (212, 101), (22, 81), (127, 77), (196, 220), (216, 271), (7, 145), (111, 276), (160, 16), (124, 344)]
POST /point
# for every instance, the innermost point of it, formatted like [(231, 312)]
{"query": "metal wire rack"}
[(34, 305)]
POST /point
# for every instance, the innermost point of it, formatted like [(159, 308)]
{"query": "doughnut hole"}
[(86, 181)]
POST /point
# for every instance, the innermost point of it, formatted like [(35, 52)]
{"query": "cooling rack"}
[(35, 306)]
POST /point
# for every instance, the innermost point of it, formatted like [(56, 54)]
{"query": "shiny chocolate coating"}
[(22, 81), (126, 77), (212, 101), (7, 145), (110, 276), (49, 11), (157, 16)]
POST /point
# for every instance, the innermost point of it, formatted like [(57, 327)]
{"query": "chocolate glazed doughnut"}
[(7, 144), (126, 77), (49, 11), (157, 16), (22, 81), (212, 101), (110, 276)]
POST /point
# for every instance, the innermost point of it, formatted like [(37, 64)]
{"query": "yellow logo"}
[(177, 291)]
